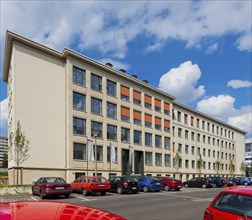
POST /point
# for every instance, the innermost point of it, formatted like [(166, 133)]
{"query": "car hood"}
[(43, 210)]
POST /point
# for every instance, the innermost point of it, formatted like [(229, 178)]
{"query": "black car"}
[(198, 182), (121, 184)]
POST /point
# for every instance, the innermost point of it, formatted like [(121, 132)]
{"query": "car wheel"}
[(145, 189), (67, 196), (84, 192), (119, 190), (41, 195), (135, 192), (166, 188), (33, 192), (204, 186), (103, 193), (177, 189), (186, 185), (245, 183)]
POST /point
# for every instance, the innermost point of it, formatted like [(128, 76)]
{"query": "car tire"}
[(103, 193), (135, 192), (33, 192), (186, 185), (203, 186), (84, 192), (177, 189), (67, 196), (245, 183), (166, 188), (41, 195), (145, 189), (119, 190)]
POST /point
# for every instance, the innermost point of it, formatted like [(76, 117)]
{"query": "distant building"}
[(64, 99), (248, 153), (3, 148)]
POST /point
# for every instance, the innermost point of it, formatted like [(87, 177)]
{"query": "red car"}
[(169, 183), (91, 184), (51, 186), (44, 210), (234, 203)]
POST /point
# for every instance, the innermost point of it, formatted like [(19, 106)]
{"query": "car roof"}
[(239, 190)]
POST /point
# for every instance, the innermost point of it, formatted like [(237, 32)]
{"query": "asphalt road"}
[(187, 204)]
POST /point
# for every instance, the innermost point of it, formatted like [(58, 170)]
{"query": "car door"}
[(112, 184), (199, 182), (37, 185), (192, 182)]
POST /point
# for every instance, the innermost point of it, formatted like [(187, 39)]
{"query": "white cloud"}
[(4, 114), (222, 107), (235, 84), (212, 48), (116, 64), (181, 82)]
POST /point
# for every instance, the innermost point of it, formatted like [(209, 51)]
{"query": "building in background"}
[(248, 153), (3, 148), (64, 100)]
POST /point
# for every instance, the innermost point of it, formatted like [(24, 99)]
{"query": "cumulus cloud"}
[(181, 82), (4, 114), (236, 84)]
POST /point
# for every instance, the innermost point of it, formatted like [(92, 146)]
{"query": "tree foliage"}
[(18, 146), (177, 160), (231, 167), (243, 167), (217, 167), (200, 164)]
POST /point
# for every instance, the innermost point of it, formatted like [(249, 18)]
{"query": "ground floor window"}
[(148, 158), (79, 151)]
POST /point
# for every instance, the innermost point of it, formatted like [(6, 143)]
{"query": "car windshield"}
[(234, 203), (54, 180), (131, 179), (152, 178)]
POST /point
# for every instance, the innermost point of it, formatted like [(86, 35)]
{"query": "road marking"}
[(188, 197), (85, 199)]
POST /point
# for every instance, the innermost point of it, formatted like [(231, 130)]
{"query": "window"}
[(79, 101), (125, 114), (96, 128), (204, 139), (96, 106), (193, 164), (157, 123), (158, 141), (137, 137), (214, 154), (208, 126), (167, 143), (111, 88), (167, 126), (198, 151), (148, 158), (79, 76), (198, 123), (179, 116), (158, 159), (137, 97), (167, 160), (186, 149), (108, 154), (96, 82), (124, 93), (193, 150), (209, 153), (180, 148), (166, 108), (185, 119), (179, 132), (192, 121), (79, 126), (157, 105), (111, 110), (212, 128), (187, 164), (203, 125), (125, 135), (147, 101), (186, 134), (137, 117), (148, 120), (204, 152), (99, 153), (198, 137), (209, 165), (148, 139), (192, 136), (79, 151), (111, 132), (209, 140)]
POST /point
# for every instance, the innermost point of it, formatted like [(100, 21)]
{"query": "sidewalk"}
[(15, 190)]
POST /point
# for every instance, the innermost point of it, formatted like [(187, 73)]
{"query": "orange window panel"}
[(124, 90), (158, 103), (167, 124), (167, 106), (157, 121), (147, 99), (148, 118), (137, 95), (137, 115), (125, 111), (192, 120)]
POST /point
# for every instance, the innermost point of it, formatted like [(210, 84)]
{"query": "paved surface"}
[(187, 204)]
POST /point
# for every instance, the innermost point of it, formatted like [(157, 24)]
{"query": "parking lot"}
[(187, 204)]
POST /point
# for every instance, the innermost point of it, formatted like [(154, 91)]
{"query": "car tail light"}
[(208, 215), (125, 184)]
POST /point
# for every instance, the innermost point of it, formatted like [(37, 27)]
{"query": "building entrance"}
[(126, 167), (139, 162)]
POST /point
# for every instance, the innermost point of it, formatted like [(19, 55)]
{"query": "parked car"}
[(169, 183), (31, 210), (122, 184), (244, 181), (229, 182), (218, 181), (231, 203), (149, 183), (203, 182), (90, 184), (51, 186)]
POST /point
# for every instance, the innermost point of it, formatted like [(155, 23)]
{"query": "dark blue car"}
[(149, 183)]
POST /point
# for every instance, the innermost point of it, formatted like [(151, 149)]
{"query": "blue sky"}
[(198, 51)]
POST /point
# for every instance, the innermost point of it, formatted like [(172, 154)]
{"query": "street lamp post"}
[(95, 134)]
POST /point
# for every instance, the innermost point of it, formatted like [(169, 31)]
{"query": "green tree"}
[(18, 147), (177, 162), (243, 167), (231, 167), (200, 164), (5, 161), (217, 167)]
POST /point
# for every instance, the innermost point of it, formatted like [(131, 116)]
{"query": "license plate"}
[(101, 185), (179, 186), (157, 183), (133, 187), (59, 187)]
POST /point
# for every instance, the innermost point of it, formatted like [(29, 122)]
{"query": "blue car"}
[(245, 181), (149, 183)]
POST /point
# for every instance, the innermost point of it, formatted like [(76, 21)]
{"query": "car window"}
[(54, 180), (193, 179), (40, 181), (111, 179), (152, 178), (99, 179), (131, 179)]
